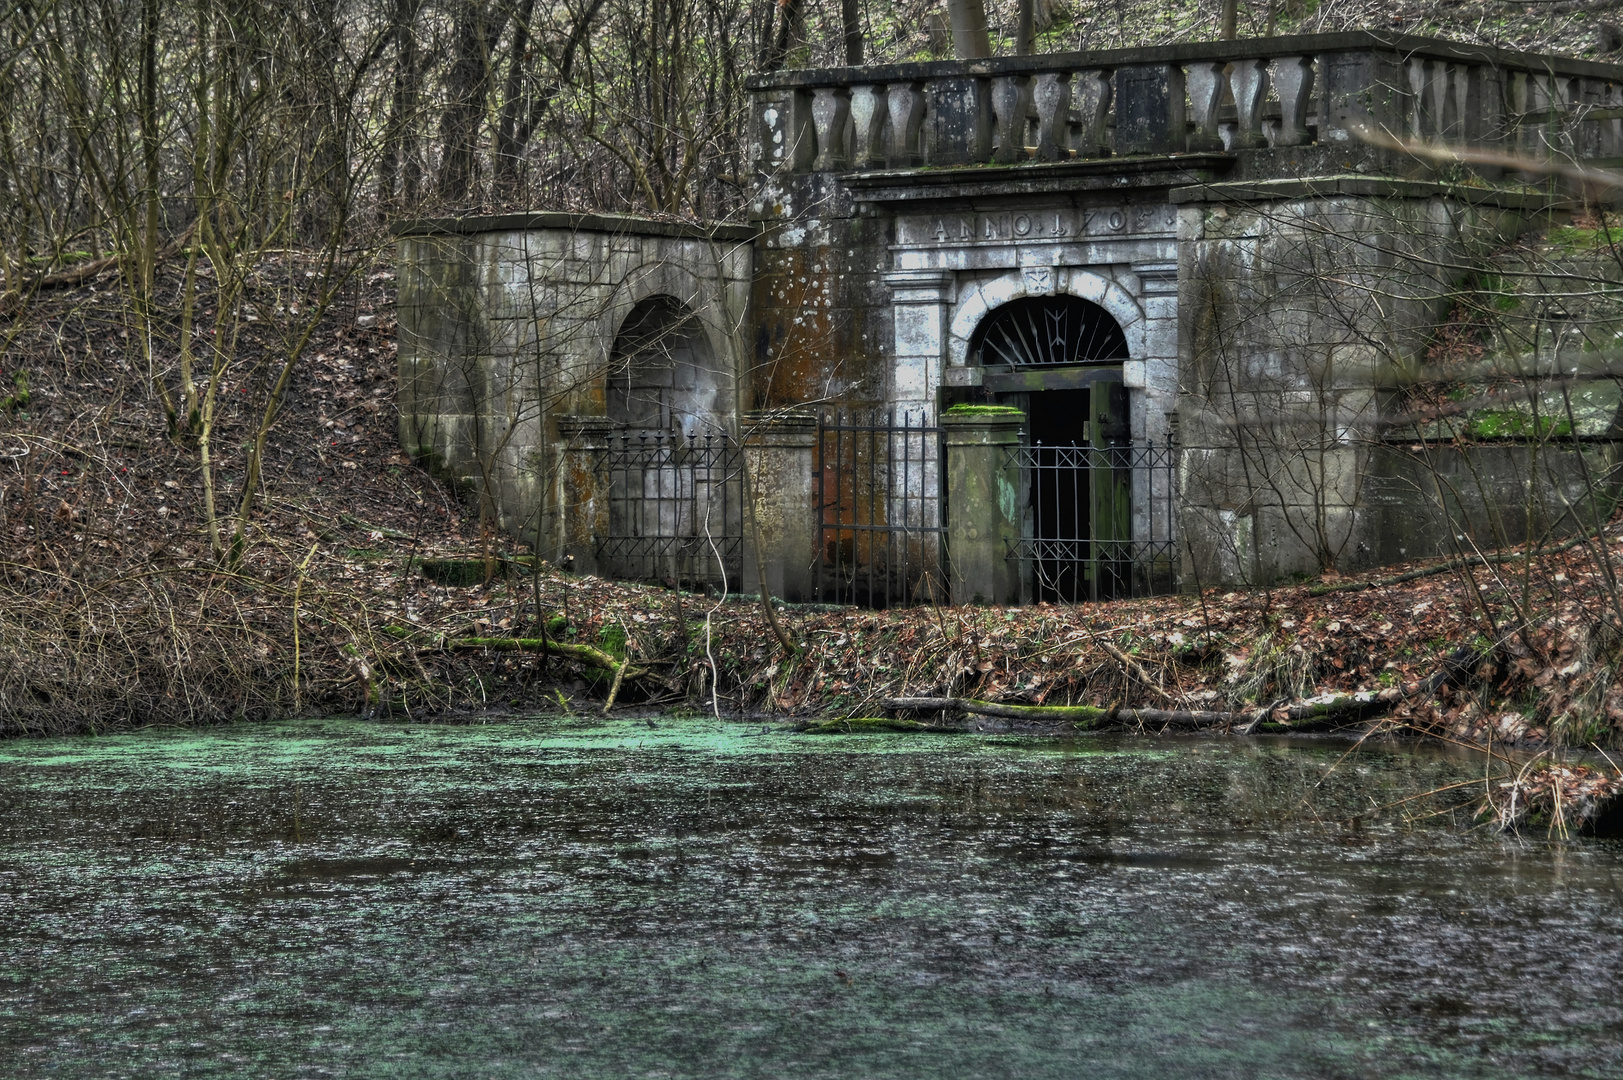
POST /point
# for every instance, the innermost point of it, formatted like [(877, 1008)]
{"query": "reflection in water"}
[(544, 899)]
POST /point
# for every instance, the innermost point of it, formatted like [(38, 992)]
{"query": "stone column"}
[(581, 493), (919, 303), (781, 450), (983, 503)]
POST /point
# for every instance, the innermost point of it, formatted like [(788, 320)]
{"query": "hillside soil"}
[(367, 586)]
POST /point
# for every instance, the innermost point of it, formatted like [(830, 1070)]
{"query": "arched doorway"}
[(672, 467), (662, 372), (1058, 358)]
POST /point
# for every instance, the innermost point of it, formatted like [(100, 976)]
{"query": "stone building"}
[(1037, 327)]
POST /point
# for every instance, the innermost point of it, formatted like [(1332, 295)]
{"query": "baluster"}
[(1293, 78), (1453, 88), (831, 115), (1470, 93), (1611, 131), (1052, 94), (1205, 81), (1093, 98), (906, 104), (1011, 103), (1593, 93), (1485, 114), (868, 114), (1539, 131), (1424, 115), (1249, 78), (1516, 98)]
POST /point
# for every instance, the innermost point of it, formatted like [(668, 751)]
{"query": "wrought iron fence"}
[(675, 505), (1098, 521), (879, 502)]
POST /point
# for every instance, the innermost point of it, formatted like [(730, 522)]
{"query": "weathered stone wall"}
[(507, 327), (1303, 320), (822, 314)]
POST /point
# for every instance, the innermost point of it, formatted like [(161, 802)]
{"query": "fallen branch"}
[(1133, 668), (79, 273), (1086, 717), (1083, 717), (382, 530), (586, 654)]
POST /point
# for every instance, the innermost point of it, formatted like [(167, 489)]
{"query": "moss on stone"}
[(984, 410)]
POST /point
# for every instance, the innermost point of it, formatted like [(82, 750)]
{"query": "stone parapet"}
[(1255, 96)]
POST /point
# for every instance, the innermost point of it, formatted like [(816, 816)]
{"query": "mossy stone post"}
[(581, 492), (983, 502), (781, 448)]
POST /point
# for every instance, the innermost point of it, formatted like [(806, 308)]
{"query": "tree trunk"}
[(399, 174), (509, 146), (467, 90), (851, 16), (1025, 34), (969, 38)]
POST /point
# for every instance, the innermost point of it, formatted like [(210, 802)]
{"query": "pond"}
[(563, 897)]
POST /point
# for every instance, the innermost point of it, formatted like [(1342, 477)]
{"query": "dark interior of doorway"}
[(1078, 438), (1059, 498)]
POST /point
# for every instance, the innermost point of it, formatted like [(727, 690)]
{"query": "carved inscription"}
[(1020, 225)]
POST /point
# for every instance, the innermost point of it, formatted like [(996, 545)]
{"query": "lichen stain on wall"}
[(808, 345)]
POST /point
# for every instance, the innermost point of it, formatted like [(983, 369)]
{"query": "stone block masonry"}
[(1221, 244)]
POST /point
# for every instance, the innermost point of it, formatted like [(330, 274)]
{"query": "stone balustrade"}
[(1232, 96)]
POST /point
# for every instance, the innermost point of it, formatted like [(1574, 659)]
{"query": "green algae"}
[(625, 897), (870, 725)]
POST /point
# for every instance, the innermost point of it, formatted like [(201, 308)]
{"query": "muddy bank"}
[(368, 621)]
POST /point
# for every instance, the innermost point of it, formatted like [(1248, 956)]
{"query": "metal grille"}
[(1048, 331), (1098, 523), (675, 508), (879, 509)]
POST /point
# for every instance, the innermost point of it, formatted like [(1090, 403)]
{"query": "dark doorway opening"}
[(1079, 491)]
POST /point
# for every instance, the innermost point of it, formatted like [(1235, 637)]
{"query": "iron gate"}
[(1098, 520), (879, 486), (675, 505)]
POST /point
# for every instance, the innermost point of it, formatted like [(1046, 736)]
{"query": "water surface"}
[(572, 898)]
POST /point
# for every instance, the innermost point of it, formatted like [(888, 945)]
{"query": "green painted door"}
[(1110, 487)]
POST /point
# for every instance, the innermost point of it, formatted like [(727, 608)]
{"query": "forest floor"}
[(368, 586)]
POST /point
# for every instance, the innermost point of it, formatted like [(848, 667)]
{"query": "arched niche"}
[(663, 372)]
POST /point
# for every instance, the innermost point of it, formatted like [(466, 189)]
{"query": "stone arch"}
[(658, 277), (982, 299), (663, 371)]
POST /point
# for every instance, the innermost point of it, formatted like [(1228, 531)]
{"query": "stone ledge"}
[(1244, 48), (1151, 170), (614, 224), (1358, 185)]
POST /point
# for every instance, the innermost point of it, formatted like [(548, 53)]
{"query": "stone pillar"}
[(581, 492), (920, 300), (781, 450), (983, 503)]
